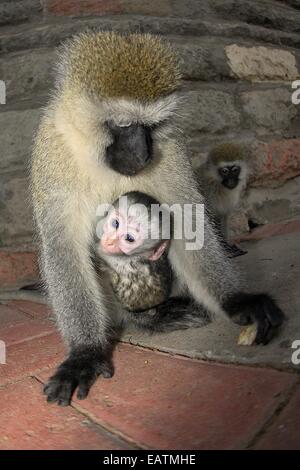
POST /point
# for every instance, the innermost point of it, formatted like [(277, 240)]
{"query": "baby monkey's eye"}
[(115, 223), (129, 238), (224, 171)]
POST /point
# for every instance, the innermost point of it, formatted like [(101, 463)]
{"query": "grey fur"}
[(68, 179), (139, 284)]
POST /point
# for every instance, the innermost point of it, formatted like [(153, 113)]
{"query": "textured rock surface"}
[(16, 141), (270, 109), (16, 218), (238, 60), (261, 63)]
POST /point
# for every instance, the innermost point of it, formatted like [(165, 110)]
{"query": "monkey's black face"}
[(230, 175), (131, 150)]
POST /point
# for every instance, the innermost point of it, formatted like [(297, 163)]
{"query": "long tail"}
[(176, 313)]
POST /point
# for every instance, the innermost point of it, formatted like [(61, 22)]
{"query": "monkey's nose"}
[(113, 239)]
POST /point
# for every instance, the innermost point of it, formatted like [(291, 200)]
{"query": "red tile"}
[(28, 422), (33, 309), (17, 269), (26, 358), (26, 331), (23, 325), (168, 402), (10, 315), (284, 433)]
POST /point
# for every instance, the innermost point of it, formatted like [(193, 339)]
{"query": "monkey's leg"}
[(176, 313), (212, 280), (221, 225), (235, 250), (81, 313)]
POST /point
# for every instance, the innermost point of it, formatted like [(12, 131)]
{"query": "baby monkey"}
[(135, 252)]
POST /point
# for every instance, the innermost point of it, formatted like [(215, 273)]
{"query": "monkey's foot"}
[(258, 309), (234, 251), (80, 371)]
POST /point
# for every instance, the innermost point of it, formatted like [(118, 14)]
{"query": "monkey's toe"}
[(60, 389), (258, 309), (80, 371)]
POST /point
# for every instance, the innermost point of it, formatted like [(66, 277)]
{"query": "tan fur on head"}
[(112, 65), (227, 152)]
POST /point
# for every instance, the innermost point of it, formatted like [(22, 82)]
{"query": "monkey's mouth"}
[(230, 183), (130, 167), (131, 149)]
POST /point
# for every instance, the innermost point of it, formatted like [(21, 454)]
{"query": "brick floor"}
[(27, 422), (169, 402), (155, 400), (284, 432), (34, 310), (17, 269)]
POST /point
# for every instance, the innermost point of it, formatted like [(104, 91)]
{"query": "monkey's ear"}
[(157, 253)]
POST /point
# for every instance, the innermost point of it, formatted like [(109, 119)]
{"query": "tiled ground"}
[(155, 400)]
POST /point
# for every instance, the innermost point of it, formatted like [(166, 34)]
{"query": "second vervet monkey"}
[(223, 178)]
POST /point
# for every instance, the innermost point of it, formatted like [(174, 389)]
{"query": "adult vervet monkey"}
[(108, 130)]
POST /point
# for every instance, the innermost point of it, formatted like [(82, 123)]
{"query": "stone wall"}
[(238, 59)]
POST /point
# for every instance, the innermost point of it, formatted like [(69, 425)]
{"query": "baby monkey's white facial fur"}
[(133, 228)]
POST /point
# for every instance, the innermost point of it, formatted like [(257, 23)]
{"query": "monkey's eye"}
[(115, 223), (224, 171), (235, 170), (129, 238)]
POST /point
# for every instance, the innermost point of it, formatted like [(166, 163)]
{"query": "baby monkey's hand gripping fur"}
[(102, 135)]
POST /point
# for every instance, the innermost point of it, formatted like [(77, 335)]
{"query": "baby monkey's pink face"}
[(121, 235), (125, 235)]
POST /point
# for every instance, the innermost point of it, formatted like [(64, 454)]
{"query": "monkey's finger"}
[(59, 391), (107, 371), (66, 392), (275, 316), (265, 332), (83, 390), (87, 379)]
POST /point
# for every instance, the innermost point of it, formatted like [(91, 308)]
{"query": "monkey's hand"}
[(80, 370), (258, 309)]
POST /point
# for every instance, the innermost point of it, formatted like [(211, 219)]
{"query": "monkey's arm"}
[(81, 313), (61, 211), (211, 277), (223, 231)]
